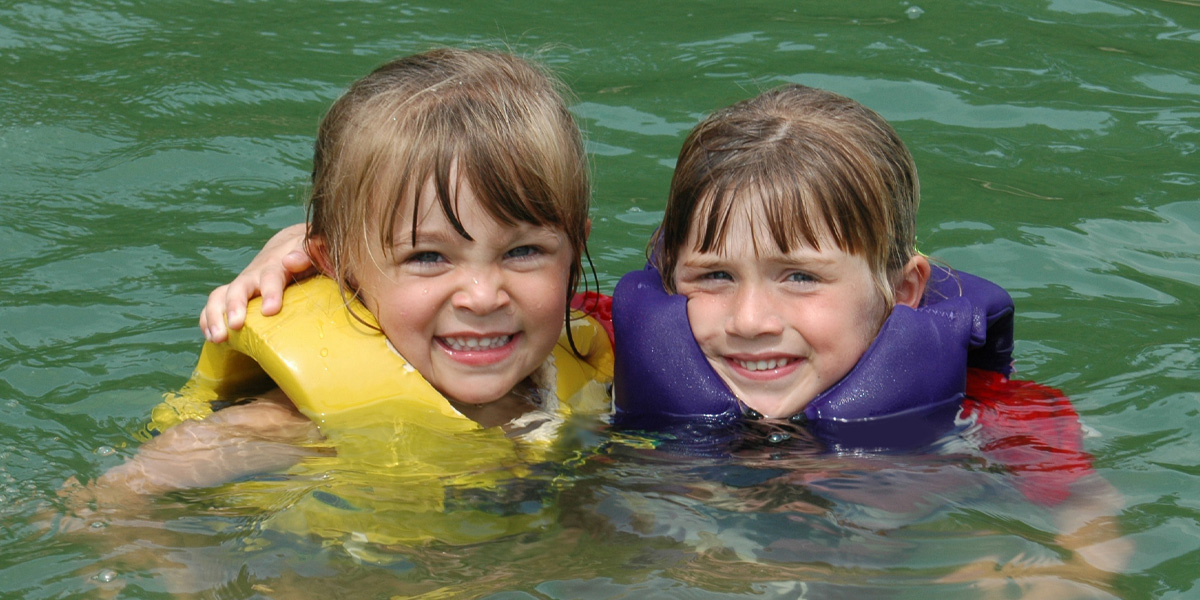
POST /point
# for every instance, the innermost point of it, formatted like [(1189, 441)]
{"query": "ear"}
[(911, 286), (318, 251)]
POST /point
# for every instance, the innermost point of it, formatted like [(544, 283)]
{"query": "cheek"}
[(873, 314), (704, 317), (401, 314), (865, 323), (542, 305)]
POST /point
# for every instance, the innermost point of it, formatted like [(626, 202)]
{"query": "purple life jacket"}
[(903, 393)]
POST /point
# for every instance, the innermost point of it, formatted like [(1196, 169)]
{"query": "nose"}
[(754, 313), (481, 291)]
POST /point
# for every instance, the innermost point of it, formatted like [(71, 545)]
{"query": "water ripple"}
[(900, 101)]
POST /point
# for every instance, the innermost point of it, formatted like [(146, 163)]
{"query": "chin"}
[(478, 394), (777, 408), (475, 398)]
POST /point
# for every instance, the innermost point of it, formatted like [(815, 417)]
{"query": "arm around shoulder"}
[(282, 260)]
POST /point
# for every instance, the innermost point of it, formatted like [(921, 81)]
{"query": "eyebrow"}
[(704, 261), (807, 261), (520, 231), (713, 259), (425, 236)]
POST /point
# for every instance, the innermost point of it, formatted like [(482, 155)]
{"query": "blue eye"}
[(719, 275), (426, 258), (801, 277), (523, 252)]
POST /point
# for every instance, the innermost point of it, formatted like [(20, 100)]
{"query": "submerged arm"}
[(1094, 551), (1088, 527), (266, 434)]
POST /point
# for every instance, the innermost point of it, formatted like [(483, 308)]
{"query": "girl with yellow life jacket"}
[(448, 217)]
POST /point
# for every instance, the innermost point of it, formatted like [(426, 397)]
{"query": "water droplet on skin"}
[(105, 575), (324, 352), (98, 525)]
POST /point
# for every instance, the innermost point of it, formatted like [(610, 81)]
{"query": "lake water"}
[(148, 149)]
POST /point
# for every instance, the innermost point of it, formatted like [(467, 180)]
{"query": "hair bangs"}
[(476, 153), (781, 206)]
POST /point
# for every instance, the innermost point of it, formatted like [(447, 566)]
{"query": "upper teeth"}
[(763, 365), (477, 343)]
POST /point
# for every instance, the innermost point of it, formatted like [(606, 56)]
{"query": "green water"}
[(147, 149)]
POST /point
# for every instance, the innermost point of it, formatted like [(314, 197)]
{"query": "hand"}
[(282, 260)]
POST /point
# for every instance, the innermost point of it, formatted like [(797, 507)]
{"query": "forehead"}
[(455, 187), (418, 210), (752, 222), (423, 219)]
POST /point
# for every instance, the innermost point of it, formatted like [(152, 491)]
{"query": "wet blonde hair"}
[(816, 165), (490, 119)]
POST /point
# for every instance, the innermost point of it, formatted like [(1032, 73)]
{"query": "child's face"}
[(778, 328), (475, 318)]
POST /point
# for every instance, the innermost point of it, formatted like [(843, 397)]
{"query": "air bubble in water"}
[(105, 451)]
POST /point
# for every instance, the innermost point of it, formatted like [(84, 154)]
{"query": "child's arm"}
[(1034, 432), (1089, 532), (1088, 527), (263, 435), (282, 260)]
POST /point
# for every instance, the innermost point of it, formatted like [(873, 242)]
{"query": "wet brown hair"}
[(806, 165), (491, 119)]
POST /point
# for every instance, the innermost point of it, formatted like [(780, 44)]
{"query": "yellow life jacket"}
[(332, 364), (408, 467)]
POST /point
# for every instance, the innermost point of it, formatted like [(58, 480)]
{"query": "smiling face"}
[(778, 327), (474, 317)]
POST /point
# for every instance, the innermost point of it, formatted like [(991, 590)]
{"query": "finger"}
[(272, 284), (204, 322), (212, 318), (236, 298), (297, 262)]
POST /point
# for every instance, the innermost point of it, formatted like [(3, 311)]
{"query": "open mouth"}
[(762, 365), (469, 344), (478, 350), (763, 369)]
